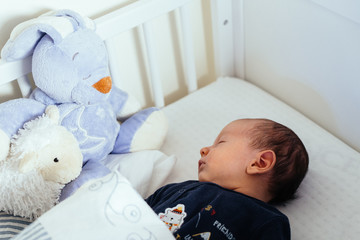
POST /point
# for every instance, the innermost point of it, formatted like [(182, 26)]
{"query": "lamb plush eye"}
[(56, 160)]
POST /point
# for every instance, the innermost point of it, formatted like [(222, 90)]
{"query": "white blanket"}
[(107, 208)]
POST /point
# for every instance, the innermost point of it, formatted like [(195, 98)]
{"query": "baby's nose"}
[(204, 151)]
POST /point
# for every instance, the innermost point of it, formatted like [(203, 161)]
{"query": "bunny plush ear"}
[(56, 24), (82, 22)]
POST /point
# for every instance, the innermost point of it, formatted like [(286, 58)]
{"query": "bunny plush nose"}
[(104, 85)]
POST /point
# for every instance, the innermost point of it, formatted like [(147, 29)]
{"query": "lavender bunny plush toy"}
[(70, 70)]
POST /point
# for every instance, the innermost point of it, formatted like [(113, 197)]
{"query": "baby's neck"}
[(254, 187), (255, 193)]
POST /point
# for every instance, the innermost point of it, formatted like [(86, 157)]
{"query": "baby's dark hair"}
[(292, 159)]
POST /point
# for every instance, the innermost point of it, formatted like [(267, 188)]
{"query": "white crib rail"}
[(129, 17), (189, 60), (17, 70), (139, 13), (153, 64), (228, 37)]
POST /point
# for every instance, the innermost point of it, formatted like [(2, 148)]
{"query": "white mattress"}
[(328, 203)]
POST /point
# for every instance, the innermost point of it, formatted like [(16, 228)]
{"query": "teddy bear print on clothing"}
[(174, 217)]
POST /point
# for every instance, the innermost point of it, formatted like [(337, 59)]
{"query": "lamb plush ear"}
[(52, 112), (26, 35), (28, 162)]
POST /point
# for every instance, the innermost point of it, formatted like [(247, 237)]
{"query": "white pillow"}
[(146, 170)]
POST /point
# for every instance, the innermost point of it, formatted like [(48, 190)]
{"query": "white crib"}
[(327, 203)]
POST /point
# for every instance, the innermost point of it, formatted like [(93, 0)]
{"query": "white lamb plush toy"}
[(43, 157)]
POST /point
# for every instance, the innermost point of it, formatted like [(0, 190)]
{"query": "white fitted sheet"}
[(327, 204)]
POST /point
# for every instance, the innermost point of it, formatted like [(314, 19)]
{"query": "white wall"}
[(131, 49), (15, 11), (309, 57)]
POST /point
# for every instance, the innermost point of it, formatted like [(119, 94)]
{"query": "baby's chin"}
[(205, 176), (202, 178)]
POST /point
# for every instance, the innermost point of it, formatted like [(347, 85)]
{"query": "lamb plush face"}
[(58, 161), (44, 146)]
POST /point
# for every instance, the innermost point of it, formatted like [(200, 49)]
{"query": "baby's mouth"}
[(201, 163)]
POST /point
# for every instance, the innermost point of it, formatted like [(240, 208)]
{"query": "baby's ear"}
[(263, 163)]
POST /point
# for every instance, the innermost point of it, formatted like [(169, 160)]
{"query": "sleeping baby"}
[(253, 163)]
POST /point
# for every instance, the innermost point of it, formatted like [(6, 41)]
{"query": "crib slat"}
[(13, 70), (223, 37), (239, 38), (189, 59), (25, 85), (228, 37), (153, 65), (113, 61)]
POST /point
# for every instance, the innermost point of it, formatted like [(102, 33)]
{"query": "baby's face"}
[(225, 162)]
